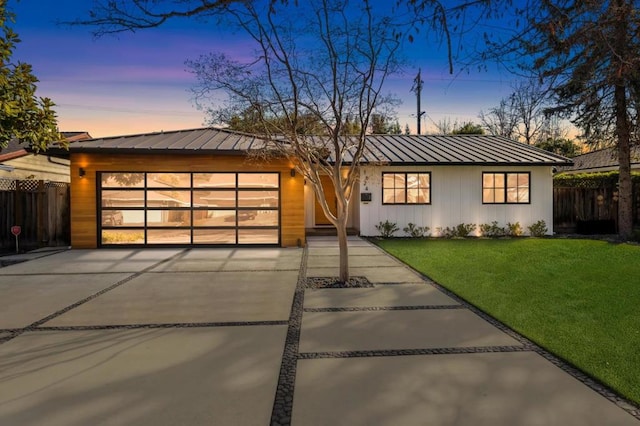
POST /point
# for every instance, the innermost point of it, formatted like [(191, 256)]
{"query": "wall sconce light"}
[(293, 172), (81, 172)]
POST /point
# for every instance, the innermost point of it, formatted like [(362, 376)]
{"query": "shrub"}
[(492, 230), (515, 230), (538, 229), (415, 231), (464, 229), (459, 231), (387, 229)]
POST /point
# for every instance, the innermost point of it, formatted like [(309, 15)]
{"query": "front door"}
[(332, 201)]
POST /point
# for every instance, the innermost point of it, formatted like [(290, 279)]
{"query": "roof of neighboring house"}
[(15, 149), (390, 149), (602, 160)]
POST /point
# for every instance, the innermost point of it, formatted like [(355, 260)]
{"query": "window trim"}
[(382, 188), (505, 174)]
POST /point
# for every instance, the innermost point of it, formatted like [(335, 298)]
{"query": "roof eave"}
[(129, 151), (475, 163)]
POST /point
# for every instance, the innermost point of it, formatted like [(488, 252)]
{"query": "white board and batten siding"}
[(456, 197)]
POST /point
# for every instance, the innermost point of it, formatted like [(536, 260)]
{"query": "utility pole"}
[(417, 88)]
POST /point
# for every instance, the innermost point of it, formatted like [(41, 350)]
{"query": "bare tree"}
[(501, 120), (445, 126), (528, 100)]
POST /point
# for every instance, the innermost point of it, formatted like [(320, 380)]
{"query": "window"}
[(217, 208), (505, 188), (406, 188)]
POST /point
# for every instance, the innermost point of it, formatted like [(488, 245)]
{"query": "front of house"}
[(197, 188)]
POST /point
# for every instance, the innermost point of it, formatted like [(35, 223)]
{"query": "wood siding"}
[(83, 190), (456, 197), (38, 167)]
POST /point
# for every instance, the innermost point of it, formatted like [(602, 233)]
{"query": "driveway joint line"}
[(48, 274), (62, 311), (283, 400), (221, 270), (385, 308), (413, 352), (162, 325), (5, 263)]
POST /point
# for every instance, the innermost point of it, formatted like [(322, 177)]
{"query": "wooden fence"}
[(42, 210), (589, 210)]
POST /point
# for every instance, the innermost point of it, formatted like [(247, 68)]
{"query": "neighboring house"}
[(602, 160), (16, 163), (196, 187)]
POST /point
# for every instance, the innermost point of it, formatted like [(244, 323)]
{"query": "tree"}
[(337, 78), (523, 115), (23, 115), (501, 120), (588, 52), (560, 146), (468, 128), (383, 124), (528, 100)]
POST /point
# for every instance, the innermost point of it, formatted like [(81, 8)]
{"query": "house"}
[(197, 187), (17, 163), (602, 160)]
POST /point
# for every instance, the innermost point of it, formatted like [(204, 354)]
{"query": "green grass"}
[(579, 299)]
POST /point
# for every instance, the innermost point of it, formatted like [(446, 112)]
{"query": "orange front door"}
[(332, 201)]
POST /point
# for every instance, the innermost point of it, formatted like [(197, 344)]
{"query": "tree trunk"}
[(341, 229), (625, 189), (625, 195)]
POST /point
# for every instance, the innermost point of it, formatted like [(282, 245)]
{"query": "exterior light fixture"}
[(81, 172), (293, 172)]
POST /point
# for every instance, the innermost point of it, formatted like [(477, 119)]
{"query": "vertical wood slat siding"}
[(456, 197), (83, 190)]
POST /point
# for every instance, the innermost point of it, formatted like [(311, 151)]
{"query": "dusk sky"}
[(137, 82)]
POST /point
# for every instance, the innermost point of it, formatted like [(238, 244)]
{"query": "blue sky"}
[(135, 83)]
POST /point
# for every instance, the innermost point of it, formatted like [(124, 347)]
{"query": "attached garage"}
[(185, 188)]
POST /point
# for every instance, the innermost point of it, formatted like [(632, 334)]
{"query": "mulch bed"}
[(334, 282)]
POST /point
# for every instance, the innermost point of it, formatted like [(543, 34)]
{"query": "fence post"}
[(18, 205), (42, 208)]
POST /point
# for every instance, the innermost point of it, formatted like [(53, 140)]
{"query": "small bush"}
[(464, 229), (538, 229), (515, 230), (459, 231), (444, 232), (387, 229), (415, 231), (492, 230)]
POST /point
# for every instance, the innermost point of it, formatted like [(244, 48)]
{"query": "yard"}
[(579, 299)]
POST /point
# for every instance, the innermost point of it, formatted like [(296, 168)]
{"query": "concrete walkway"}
[(234, 337)]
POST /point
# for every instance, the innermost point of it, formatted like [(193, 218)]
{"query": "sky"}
[(137, 82)]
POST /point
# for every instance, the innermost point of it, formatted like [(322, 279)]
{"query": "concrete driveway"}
[(234, 337)]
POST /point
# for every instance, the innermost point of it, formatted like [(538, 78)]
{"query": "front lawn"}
[(579, 299)]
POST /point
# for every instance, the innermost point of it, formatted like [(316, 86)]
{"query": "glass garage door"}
[(189, 208)]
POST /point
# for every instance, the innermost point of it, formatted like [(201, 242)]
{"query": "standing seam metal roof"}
[(390, 149)]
